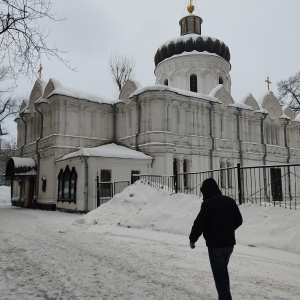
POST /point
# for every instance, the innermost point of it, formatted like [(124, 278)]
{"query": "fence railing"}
[(264, 185)]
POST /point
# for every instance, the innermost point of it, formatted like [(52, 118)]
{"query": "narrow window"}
[(175, 172), (221, 81), (185, 176), (73, 183), (66, 183), (105, 184), (193, 83), (60, 184), (166, 82), (223, 174), (229, 174)]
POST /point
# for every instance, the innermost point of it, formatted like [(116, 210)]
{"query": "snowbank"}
[(142, 206), (5, 194)]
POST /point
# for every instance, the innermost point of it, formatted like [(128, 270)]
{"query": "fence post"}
[(97, 191), (239, 176)]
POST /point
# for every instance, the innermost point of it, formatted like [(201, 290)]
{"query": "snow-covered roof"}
[(109, 150), (20, 166), (174, 90), (240, 105), (59, 89)]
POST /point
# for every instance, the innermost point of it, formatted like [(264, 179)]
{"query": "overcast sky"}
[(262, 35)]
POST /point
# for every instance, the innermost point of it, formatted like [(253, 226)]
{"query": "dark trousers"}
[(219, 259)]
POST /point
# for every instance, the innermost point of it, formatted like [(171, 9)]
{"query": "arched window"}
[(186, 169), (193, 83), (176, 165), (223, 174), (221, 81), (166, 82), (67, 185), (73, 182), (67, 178), (229, 174), (60, 178)]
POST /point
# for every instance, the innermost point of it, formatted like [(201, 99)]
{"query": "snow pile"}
[(5, 194), (142, 206)]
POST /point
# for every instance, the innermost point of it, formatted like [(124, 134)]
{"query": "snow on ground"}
[(136, 247), (5, 194), (144, 207)]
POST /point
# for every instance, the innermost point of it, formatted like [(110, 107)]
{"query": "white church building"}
[(186, 122)]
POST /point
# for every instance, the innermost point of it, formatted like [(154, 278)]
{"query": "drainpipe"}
[(138, 104), (263, 138), (25, 136), (38, 156), (114, 123), (286, 123), (286, 141), (211, 135), (239, 135), (86, 182)]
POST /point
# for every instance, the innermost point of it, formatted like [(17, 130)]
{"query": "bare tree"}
[(9, 106), (7, 150), (289, 92), (22, 36), (121, 68)]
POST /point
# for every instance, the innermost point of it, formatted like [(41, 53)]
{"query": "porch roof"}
[(20, 166), (109, 150)]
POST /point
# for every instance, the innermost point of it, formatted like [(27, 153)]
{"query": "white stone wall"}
[(208, 68)]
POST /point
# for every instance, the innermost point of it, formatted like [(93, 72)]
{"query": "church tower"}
[(193, 62)]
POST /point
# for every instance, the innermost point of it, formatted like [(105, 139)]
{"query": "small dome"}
[(192, 42)]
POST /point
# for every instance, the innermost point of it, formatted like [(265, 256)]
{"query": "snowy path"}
[(43, 256)]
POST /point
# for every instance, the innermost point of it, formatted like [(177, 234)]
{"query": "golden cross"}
[(40, 71), (268, 82)]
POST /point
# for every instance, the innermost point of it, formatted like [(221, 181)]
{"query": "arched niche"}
[(177, 80), (129, 87), (209, 80), (220, 92)]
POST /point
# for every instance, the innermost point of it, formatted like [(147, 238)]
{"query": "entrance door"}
[(276, 184), (31, 192)]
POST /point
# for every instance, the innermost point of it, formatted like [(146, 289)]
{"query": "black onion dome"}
[(191, 42)]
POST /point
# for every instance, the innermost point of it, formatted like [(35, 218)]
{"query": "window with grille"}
[(193, 83), (105, 175), (105, 184)]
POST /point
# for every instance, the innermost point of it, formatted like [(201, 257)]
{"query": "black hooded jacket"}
[(218, 218)]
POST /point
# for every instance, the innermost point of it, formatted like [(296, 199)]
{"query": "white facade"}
[(169, 123)]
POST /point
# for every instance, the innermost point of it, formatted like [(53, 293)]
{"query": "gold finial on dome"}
[(191, 7)]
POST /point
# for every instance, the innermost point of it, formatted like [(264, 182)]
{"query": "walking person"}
[(217, 220)]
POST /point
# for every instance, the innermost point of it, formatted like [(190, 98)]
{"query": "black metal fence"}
[(106, 190), (264, 185)]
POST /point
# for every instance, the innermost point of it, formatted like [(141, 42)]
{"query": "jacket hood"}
[(210, 188)]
